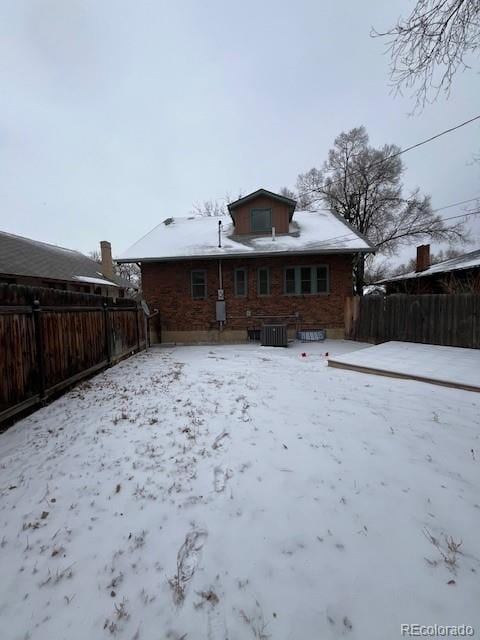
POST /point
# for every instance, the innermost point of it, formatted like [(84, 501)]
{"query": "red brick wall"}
[(166, 286), (280, 215)]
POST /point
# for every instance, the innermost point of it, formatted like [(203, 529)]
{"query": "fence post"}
[(137, 327), (108, 342), (39, 341)]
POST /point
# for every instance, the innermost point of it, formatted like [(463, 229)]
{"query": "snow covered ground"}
[(240, 492), (446, 365)]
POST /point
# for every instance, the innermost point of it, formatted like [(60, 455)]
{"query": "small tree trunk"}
[(359, 273)]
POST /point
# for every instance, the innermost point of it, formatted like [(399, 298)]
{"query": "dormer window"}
[(260, 212), (261, 220)]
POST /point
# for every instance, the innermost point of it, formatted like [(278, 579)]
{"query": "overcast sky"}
[(115, 115)]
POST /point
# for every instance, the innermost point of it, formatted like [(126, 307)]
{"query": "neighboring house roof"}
[(467, 261), (25, 257), (259, 193), (373, 290), (197, 237)]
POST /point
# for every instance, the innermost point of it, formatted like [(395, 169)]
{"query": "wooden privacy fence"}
[(446, 319), (50, 339)]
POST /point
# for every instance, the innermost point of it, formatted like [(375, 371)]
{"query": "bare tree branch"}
[(431, 45)]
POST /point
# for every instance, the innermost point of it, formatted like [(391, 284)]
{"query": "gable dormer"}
[(260, 211)]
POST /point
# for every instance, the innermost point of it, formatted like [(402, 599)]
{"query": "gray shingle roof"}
[(466, 261), (25, 257)]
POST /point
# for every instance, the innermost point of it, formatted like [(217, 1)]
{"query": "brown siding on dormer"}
[(280, 215)]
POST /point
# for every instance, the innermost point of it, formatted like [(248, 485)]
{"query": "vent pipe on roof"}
[(273, 234), (219, 234)]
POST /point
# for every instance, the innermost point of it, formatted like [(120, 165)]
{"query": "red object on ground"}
[(304, 355)]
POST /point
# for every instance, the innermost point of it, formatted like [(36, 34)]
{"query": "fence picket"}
[(444, 319), (50, 338)]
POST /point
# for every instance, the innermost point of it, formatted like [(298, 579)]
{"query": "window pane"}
[(322, 280), (261, 219), (306, 280), (263, 282), (289, 280), (198, 277), (199, 285), (240, 282)]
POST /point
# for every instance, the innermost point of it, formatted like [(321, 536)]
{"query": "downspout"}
[(220, 274), (220, 286)]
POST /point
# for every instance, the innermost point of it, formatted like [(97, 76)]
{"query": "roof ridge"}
[(41, 242)]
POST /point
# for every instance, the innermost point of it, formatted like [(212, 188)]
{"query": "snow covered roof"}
[(467, 261), (197, 237), (99, 281)]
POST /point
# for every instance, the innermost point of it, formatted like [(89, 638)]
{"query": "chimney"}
[(423, 257), (107, 264)]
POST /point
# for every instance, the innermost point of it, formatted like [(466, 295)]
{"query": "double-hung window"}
[(240, 282), (306, 280), (263, 281), (199, 284)]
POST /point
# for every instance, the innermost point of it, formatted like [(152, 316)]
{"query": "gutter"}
[(256, 254)]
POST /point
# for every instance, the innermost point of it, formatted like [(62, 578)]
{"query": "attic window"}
[(261, 220)]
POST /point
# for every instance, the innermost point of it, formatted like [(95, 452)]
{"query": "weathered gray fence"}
[(50, 339), (446, 319)]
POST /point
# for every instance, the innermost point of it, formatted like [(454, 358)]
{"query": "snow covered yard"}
[(240, 492)]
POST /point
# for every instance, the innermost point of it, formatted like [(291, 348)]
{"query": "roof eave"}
[(253, 254), (423, 274), (261, 192)]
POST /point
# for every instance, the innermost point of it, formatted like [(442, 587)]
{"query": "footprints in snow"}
[(220, 477), (188, 558)]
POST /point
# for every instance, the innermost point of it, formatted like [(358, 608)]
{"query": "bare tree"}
[(210, 208), (375, 270), (431, 45), (95, 256), (363, 184), (214, 207), (435, 258), (288, 193), (468, 282), (129, 272)]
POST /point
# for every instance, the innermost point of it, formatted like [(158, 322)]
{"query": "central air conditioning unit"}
[(274, 335)]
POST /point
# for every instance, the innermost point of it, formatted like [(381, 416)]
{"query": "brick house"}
[(215, 279), (455, 275)]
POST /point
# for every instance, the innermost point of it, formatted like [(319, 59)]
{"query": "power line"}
[(455, 204), (410, 148), (437, 135), (402, 151), (352, 234)]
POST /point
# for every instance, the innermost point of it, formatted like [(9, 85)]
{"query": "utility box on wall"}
[(221, 311)]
